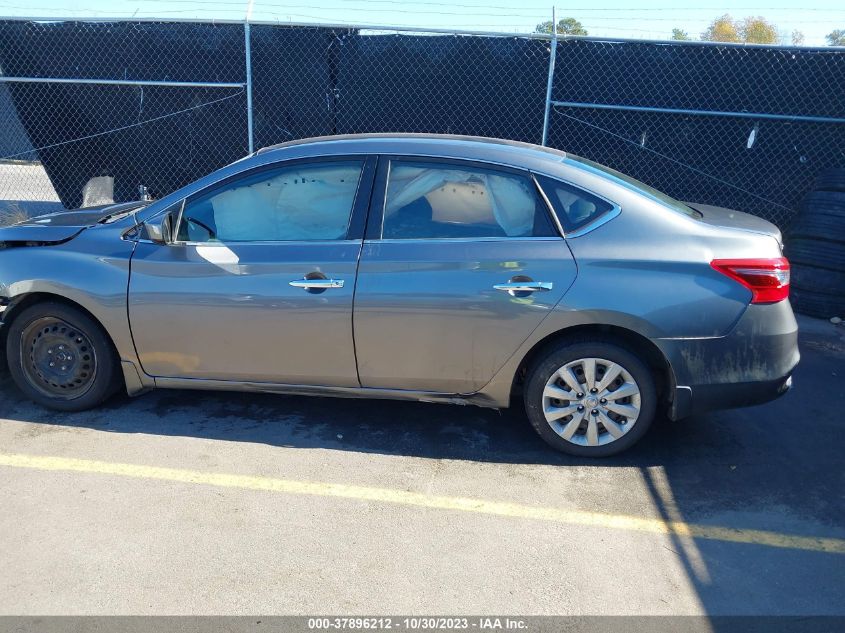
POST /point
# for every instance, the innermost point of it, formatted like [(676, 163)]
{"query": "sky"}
[(647, 19)]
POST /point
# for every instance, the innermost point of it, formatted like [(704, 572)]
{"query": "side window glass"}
[(431, 200), (294, 203), (575, 208)]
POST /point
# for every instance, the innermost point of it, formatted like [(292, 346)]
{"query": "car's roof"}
[(447, 145)]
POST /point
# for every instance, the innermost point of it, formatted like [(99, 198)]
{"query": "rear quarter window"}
[(574, 207), (638, 186)]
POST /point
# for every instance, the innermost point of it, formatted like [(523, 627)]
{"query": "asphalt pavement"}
[(219, 503)]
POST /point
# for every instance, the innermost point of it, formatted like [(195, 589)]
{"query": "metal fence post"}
[(248, 61), (552, 57)]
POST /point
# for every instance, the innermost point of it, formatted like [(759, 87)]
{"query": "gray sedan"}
[(430, 268)]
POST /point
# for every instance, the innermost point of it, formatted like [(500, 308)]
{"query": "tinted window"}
[(294, 203), (434, 200), (575, 208)]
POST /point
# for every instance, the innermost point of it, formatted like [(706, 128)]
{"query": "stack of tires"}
[(815, 247)]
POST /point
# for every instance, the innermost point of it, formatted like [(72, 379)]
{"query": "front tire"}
[(590, 399), (61, 358)]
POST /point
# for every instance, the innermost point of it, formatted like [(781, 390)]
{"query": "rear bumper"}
[(751, 365), (701, 398)]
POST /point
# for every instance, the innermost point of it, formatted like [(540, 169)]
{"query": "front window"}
[(302, 202), (449, 200)]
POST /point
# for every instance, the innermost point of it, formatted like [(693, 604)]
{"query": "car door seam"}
[(358, 265)]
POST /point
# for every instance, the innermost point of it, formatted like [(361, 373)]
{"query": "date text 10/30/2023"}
[(420, 623)]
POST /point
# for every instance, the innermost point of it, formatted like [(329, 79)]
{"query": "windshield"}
[(651, 192)]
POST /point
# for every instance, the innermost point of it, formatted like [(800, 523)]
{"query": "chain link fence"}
[(745, 127), (137, 103), (160, 104)]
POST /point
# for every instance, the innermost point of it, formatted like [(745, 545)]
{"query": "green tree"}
[(722, 29), (758, 30), (836, 37), (797, 38), (680, 34), (565, 26)]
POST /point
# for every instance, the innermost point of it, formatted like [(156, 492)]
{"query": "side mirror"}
[(161, 229)]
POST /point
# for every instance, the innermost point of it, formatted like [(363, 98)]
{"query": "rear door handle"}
[(317, 284), (525, 286)]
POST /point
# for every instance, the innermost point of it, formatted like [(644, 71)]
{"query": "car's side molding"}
[(477, 399)]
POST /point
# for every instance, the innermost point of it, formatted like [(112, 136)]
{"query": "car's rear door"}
[(258, 284), (461, 262)]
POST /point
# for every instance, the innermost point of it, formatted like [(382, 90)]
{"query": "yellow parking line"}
[(404, 497)]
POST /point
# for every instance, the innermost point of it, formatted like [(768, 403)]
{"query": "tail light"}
[(767, 279)]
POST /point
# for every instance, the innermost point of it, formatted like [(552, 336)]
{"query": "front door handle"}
[(317, 284), (525, 286)]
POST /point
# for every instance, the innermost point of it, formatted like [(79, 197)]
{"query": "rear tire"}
[(61, 358), (571, 417)]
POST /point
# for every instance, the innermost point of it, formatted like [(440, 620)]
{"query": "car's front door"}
[(461, 263), (257, 284)]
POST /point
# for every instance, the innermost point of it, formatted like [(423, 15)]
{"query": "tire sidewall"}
[(540, 372), (818, 280), (816, 253), (831, 180), (104, 382), (816, 304)]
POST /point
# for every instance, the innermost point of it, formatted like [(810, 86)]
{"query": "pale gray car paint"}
[(228, 312), (91, 270), (646, 271), (439, 324)]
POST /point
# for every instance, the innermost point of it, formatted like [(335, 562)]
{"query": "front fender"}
[(91, 270)]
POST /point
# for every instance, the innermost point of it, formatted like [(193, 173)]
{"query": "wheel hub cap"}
[(591, 401)]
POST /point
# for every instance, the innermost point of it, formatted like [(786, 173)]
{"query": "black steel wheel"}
[(57, 358), (61, 358)]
